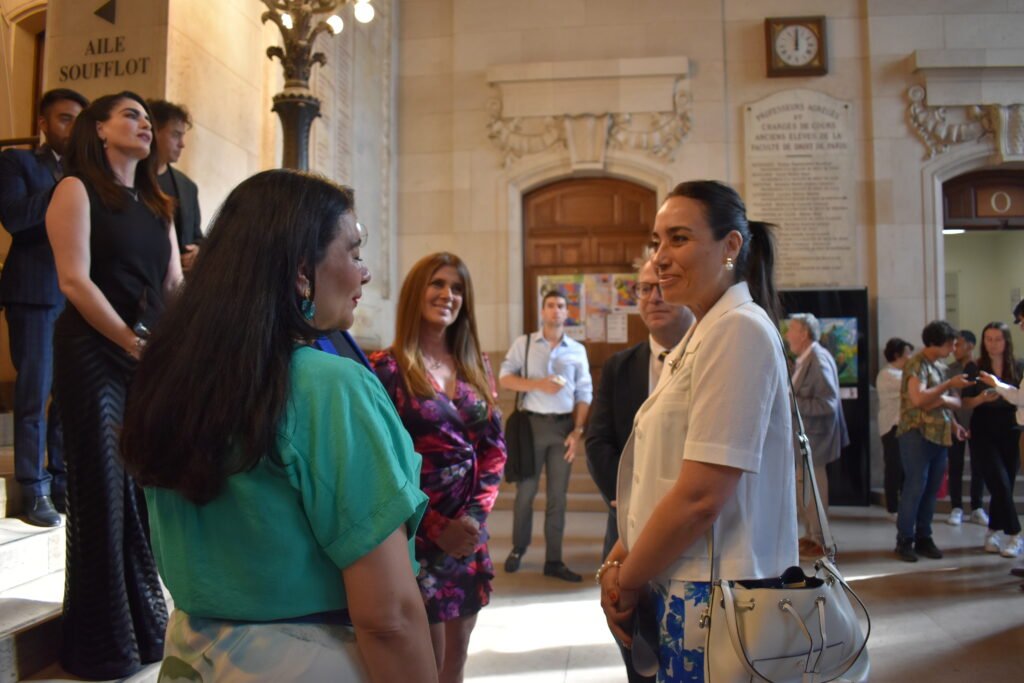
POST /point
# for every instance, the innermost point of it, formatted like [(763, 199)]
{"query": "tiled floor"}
[(937, 621)]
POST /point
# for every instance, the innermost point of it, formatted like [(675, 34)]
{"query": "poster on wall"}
[(798, 169), (839, 337), (599, 304)]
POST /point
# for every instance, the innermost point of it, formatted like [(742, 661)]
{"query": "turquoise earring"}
[(308, 308)]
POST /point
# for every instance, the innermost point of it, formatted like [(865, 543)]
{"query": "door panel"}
[(591, 225)]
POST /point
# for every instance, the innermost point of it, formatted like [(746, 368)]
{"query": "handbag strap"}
[(526, 369), (805, 454)]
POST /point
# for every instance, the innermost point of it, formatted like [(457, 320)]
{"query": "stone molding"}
[(583, 109), (940, 127), (969, 95)]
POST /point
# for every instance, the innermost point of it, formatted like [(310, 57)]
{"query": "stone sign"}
[(99, 47), (799, 175)]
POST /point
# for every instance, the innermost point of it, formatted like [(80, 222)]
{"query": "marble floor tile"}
[(936, 621)]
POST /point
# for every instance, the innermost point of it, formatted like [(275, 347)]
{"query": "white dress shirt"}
[(888, 385), (723, 400), (567, 358)]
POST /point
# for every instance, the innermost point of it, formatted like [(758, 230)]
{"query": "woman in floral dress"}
[(442, 385)]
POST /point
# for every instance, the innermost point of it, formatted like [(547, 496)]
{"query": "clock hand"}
[(796, 36)]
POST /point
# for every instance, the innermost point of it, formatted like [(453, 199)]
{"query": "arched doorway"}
[(983, 245), (585, 225)]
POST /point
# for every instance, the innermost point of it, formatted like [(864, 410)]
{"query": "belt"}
[(550, 416)]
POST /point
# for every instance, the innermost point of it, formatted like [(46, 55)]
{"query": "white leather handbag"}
[(790, 629)]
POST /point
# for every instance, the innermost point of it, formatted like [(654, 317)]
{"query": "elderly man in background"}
[(816, 386)]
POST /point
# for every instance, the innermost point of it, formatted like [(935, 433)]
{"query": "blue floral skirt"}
[(681, 639)]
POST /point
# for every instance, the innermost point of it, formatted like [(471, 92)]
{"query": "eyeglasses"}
[(644, 290)]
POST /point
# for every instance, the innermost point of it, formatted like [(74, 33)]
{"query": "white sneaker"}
[(993, 542), (956, 517), (978, 516), (1012, 546)]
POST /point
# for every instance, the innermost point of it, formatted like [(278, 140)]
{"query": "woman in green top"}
[(283, 490), (925, 432)]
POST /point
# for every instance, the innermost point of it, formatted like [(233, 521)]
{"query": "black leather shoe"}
[(905, 551), (560, 571), (925, 547), (39, 511), (513, 560), (1018, 571)]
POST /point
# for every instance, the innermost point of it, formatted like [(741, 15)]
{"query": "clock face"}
[(796, 45)]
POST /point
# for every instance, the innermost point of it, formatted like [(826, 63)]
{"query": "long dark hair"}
[(725, 212), (86, 158), (1009, 373), (210, 391), (460, 336)]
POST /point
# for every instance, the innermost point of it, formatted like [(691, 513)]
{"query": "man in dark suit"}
[(627, 379), (32, 299), (171, 122)]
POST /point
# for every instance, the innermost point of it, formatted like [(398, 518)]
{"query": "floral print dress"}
[(463, 449)]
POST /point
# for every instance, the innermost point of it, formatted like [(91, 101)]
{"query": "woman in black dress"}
[(117, 257)]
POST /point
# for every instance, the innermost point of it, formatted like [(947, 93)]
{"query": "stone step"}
[(28, 552), (31, 592)]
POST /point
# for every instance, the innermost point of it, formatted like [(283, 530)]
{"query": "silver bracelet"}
[(605, 567)]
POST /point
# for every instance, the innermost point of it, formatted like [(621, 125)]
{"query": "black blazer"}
[(187, 220), (625, 384), (27, 179)]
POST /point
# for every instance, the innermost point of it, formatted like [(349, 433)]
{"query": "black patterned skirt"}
[(114, 611)]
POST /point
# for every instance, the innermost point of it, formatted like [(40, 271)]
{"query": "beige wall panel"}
[(224, 32), (425, 213), (924, 7), (424, 95), (900, 272), (469, 130), (425, 172), (587, 42), (481, 16), (426, 133), (476, 52), (470, 91), (426, 19), (699, 40), (423, 56), (752, 9), (901, 35), (984, 30)]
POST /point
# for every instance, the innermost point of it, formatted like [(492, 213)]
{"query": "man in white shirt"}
[(555, 380)]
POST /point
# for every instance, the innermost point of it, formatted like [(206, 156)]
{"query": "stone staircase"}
[(31, 592)]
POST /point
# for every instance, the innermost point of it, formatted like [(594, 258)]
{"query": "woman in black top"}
[(995, 439), (117, 257)]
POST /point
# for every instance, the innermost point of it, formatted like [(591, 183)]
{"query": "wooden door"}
[(589, 225)]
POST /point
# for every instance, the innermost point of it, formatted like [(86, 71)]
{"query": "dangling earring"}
[(307, 307), (104, 143), (729, 263)]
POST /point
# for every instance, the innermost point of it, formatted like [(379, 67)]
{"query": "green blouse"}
[(271, 545)]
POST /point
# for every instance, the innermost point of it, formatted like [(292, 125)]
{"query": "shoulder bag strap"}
[(525, 373), (805, 454)]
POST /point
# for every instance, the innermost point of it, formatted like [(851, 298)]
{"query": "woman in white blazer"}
[(712, 448)]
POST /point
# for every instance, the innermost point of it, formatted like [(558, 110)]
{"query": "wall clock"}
[(796, 46)]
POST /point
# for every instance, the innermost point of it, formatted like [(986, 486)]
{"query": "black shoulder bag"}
[(519, 436)]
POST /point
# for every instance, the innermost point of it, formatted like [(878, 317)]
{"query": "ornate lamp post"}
[(300, 24)]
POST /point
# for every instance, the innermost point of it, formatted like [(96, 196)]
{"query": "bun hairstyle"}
[(725, 212)]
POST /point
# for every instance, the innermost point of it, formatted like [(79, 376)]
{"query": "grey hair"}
[(810, 324)]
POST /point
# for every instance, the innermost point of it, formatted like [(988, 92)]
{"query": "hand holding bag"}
[(790, 629), (519, 437)]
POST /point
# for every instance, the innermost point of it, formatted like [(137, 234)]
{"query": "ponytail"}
[(760, 272)]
